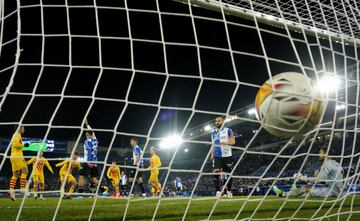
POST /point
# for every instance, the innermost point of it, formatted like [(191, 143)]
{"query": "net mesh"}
[(132, 67)]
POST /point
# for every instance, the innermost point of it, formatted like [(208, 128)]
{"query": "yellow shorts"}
[(154, 176), (70, 177), (17, 164), (38, 178)]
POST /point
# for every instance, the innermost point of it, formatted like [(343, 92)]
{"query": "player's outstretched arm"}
[(17, 142), (300, 177), (32, 160), (86, 123), (151, 168), (108, 173), (61, 163), (87, 126), (49, 167)]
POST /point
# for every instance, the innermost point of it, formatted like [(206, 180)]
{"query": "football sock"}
[(13, 183), (141, 185), (23, 181), (216, 182)]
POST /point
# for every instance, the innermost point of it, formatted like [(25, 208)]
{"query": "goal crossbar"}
[(261, 17)]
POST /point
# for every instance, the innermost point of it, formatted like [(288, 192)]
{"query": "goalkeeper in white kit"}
[(330, 180)]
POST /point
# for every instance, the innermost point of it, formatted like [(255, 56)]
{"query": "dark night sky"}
[(149, 58)]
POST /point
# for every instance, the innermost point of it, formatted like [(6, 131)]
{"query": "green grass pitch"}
[(173, 209)]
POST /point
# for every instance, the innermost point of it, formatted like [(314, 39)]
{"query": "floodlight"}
[(207, 127), (171, 141), (251, 111), (328, 84), (340, 107)]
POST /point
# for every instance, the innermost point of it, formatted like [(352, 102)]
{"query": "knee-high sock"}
[(13, 183), (81, 189), (123, 191), (42, 187), (72, 189), (158, 187), (23, 181), (216, 182), (116, 187), (155, 186), (229, 185), (93, 188), (35, 187), (141, 185)]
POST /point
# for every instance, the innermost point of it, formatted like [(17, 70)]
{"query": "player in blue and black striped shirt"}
[(221, 154), (89, 167), (137, 151)]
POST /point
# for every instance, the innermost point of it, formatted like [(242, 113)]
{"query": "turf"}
[(173, 209)]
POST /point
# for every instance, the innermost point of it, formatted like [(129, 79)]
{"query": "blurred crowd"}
[(250, 171)]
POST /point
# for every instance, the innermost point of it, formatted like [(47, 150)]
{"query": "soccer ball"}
[(288, 104)]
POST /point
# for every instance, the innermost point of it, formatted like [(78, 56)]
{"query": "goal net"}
[(162, 71)]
